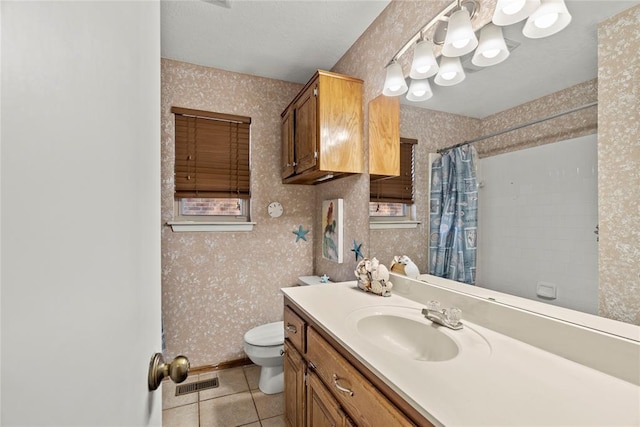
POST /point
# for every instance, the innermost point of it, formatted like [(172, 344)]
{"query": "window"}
[(212, 178), (391, 199)]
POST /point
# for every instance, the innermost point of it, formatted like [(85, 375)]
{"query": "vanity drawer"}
[(362, 401), (294, 330)]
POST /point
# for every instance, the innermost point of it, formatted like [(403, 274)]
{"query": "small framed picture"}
[(332, 233)]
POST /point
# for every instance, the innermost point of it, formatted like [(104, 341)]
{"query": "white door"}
[(80, 212)]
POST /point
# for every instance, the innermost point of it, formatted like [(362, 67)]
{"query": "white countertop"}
[(506, 382)]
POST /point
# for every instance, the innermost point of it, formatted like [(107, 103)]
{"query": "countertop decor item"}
[(301, 233), (404, 265), (373, 277)]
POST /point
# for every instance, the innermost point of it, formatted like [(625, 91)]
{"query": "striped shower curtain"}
[(453, 218)]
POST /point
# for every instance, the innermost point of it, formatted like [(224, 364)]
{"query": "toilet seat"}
[(270, 334)]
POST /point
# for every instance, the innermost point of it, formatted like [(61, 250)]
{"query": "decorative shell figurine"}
[(404, 265), (373, 277)]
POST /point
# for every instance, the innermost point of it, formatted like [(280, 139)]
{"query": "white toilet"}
[(264, 345)]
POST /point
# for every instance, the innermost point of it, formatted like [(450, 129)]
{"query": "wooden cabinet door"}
[(306, 130), (294, 388), (287, 159), (384, 136), (323, 409)]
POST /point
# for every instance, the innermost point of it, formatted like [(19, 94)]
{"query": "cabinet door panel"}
[(306, 132), (384, 136), (322, 409), (340, 125), (365, 404), (294, 389), (287, 159)]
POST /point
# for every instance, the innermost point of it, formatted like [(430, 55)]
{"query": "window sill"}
[(182, 226), (381, 225)]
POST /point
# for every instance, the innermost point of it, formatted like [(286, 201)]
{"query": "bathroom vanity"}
[(354, 358)]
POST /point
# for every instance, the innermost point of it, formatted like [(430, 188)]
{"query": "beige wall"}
[(619, 166), (212, 293), (218, 285)]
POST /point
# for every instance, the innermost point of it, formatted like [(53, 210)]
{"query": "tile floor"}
[(237, 401)]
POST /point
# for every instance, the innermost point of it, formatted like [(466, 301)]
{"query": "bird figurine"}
[(403, 264)]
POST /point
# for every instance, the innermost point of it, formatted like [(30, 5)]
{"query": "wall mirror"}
[(536, 68)]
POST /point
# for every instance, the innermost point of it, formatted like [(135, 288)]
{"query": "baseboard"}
[(222, 365)]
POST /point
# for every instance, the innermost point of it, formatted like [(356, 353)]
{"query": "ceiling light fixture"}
[(460, 38), (424, 63), (452, 29), (451, 72), (394, 84), (551, 17), (492, 48), (419, 90)]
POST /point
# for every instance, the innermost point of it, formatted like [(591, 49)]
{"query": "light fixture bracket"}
[(440, 30)]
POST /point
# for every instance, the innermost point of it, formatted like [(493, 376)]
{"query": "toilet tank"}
[(309, 280)]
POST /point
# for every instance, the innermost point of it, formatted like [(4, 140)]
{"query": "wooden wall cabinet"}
[(322, 130), (384, 137), (323, 387)]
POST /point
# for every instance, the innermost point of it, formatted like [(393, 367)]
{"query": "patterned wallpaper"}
[(619, 166), (218, 285), (580, 123)]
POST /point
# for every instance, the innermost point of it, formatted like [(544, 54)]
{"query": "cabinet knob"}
[(291, 328)]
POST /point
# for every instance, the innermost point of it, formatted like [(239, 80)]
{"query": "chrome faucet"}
[(449, 318)]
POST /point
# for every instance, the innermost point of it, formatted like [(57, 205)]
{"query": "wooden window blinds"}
[(398, 189), (211, 154)]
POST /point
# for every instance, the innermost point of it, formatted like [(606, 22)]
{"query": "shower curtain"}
[(453, 218)]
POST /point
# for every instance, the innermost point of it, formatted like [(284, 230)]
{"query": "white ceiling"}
[(281, 39), (289, 40)]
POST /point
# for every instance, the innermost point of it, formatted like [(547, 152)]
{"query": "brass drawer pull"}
[(339, 387), (291, 328)]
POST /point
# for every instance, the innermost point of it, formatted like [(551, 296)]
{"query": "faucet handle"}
[(433, 305), (453, 315)]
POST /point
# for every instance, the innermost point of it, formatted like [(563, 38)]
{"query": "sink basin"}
[(403, 331), (407, 337)]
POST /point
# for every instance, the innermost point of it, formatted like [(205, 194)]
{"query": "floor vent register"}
[(196, 386)]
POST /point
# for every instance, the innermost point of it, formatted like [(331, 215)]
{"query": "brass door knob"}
[(178, 370)]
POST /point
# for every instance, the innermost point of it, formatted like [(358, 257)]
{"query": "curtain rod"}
[(520, 126)]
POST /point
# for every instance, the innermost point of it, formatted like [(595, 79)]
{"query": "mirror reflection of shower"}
[(537, 211)]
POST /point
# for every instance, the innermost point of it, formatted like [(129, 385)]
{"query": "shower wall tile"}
[(218, 285), (619, 165), (537, 212)]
